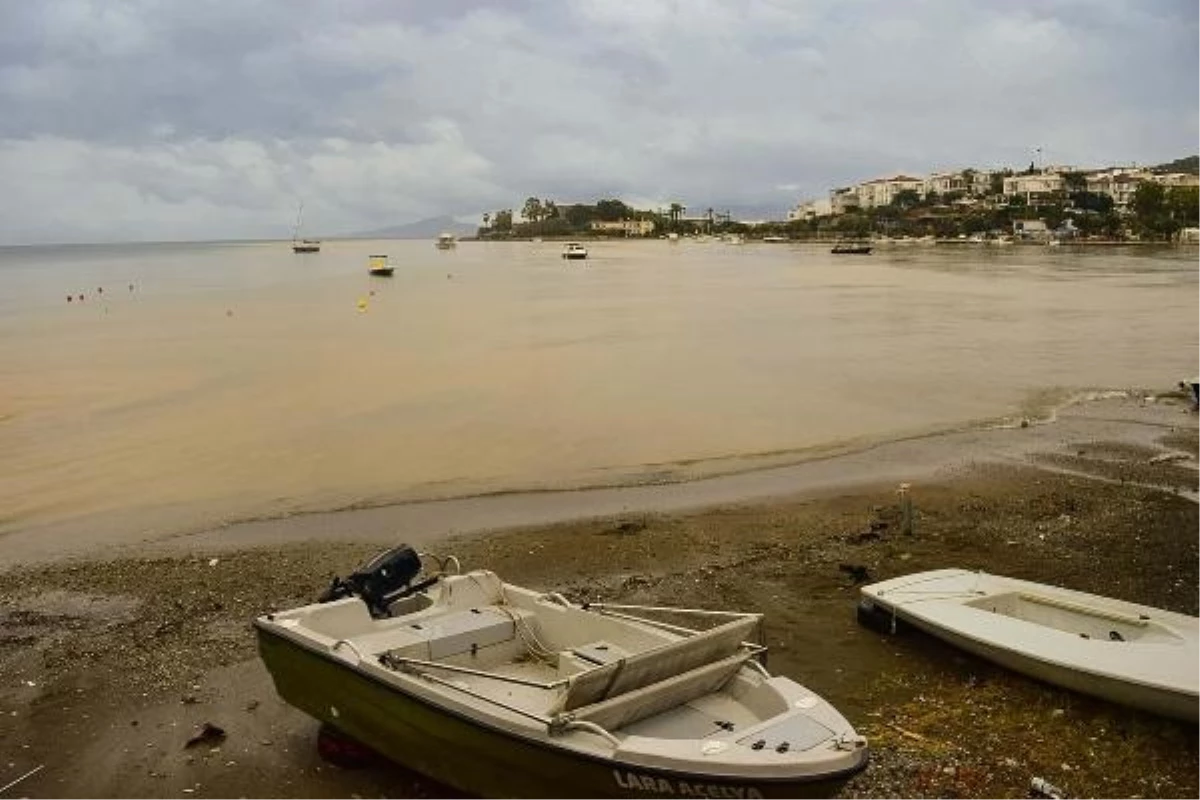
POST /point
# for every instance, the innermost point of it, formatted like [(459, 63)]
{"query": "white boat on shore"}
[(1127, 653), (498, 690), (445, 241)]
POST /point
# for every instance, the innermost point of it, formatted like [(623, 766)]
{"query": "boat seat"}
[(442, 636), (651, 666), (646, 701), (599, 652)]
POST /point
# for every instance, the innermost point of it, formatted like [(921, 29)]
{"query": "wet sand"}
[(113, 653)]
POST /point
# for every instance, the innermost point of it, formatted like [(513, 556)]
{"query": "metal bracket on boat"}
[(848, 742)]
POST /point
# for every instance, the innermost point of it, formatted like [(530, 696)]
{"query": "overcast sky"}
[(194, 120)]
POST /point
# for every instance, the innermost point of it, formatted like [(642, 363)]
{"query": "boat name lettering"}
[(661, 786)]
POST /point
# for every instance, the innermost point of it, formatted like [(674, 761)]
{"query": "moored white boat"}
[(1127, 653), (380, 266), (574, 251), (499, 690), (445, 241)]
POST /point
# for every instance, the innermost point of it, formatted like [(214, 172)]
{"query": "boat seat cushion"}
[(638, 704), (651, 666)]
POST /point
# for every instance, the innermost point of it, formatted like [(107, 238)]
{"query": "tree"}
[(906, 198), (676, 212), (503, 221), (549, 209), (532, 211), (1148, 199), (1183, 203), (997, 183), (579, 215), (612, 210), (1091, 201), (486, 219), (1075, 181)]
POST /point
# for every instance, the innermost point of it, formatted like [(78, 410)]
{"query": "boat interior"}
[(567, 665), (1088, 622)]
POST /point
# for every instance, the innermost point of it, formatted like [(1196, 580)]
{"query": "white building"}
[(945, 182), (882, 191), (1115, 183), (1037, 187), (811, 210), (843, 200)]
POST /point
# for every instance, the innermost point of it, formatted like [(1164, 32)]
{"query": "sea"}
[(205, 383)]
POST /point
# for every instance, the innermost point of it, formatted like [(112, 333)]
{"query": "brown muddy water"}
[(195, 384)]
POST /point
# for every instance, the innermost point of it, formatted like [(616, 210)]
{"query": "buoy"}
[(362, 304), (70, 298), (99, 290), (81, 298)]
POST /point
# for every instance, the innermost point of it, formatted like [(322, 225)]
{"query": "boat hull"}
[(306, 248), (383, 273), (477, 759)]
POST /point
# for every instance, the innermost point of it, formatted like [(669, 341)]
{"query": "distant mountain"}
[(1190, 165), (422, 229)]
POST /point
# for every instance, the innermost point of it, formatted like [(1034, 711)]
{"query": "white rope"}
[(527, 635)]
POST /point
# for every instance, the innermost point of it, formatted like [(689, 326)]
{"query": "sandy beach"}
[(115, 652)]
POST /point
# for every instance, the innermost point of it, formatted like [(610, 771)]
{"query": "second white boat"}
[(1130, 654)]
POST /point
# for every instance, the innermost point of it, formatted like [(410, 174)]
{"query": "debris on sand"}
[(209, 734)]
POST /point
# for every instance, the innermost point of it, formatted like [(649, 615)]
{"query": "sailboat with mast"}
[(303, 245)]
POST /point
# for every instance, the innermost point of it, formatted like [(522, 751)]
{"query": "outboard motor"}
[(381, 581)]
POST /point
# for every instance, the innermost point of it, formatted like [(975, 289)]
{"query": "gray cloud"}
[(194, 120)]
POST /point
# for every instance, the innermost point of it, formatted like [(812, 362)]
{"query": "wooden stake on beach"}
[(906, 512)]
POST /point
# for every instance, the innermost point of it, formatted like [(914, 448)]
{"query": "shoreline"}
[(1065, 506), (1132, 415)]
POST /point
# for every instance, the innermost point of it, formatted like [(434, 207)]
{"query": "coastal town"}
[(1039, 204)]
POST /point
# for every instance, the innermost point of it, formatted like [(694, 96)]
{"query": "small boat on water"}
[(445, 241), (303, 245), (851, 248), (380, 266), (774, 238), (498, 690), (574, 251), (1127, 653)]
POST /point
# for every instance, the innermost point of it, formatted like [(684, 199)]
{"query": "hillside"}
[(422, 229), (1190, 165)]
